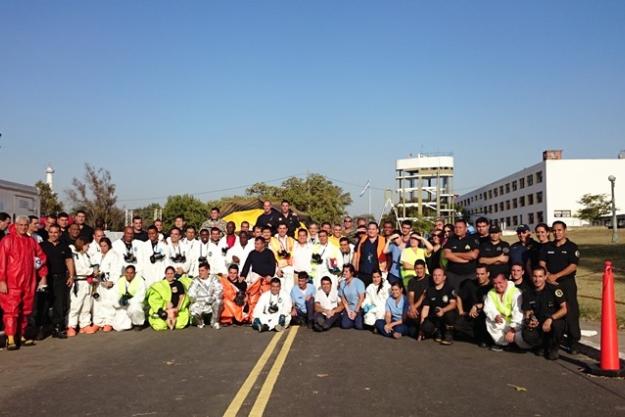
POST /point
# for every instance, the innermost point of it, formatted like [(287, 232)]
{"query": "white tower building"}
[(49, 172)]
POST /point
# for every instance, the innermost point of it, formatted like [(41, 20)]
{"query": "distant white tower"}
[(49, 172)]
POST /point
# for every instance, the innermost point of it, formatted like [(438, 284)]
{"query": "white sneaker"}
[(279, 328), (216, 326)]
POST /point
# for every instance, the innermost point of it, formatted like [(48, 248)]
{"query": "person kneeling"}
[(328, 306), (206, 295), (439, 313), (394, 322), (352, 292), (544, 309), (273, 309), (129, 306), (502, 307), (169, 305), (302, 296)]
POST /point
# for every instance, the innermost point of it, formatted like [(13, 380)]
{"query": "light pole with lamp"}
[(612, 180)]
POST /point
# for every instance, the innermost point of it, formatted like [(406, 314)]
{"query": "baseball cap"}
[(523, 228), (494, 229)]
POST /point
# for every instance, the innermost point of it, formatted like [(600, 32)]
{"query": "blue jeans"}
[(400, 328), (347, 323)]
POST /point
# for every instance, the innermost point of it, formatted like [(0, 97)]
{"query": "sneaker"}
[(59, 334), (71, 332), (279, 328), (448, 339), (83, 330), (12, 346), (552, 355), (574, 349), (216, 326), (496, 348), (200, 325), (483, 345), (27, 342), (107, 328), (397, 335), (264, 328)]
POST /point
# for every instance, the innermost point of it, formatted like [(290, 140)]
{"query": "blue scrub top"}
[(299, 297), (397, 308), (395, 258), (352, 291)]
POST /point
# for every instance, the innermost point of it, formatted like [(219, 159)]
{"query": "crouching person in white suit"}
[(129, 310), (273, 309), (206, 295), (504, 317)]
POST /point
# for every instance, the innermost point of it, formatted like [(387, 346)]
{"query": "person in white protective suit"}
[(177, 256), (80, 300), (217, 251), (326, 261), (504, 315), (128, 248), (241, 249), (129, 306), (94, 246), (282, 247), (104, 291), (191, 242), (153, 258), (376, 295), (206, 296), (273, 309)]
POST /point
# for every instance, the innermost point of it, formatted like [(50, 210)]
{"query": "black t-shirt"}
[(471, 293), (291, 220), (492, 250), (419, 286), (456, 245), (543, 303), (177, 290), (438, 298), (56, 256), (524, 286), (269, 220), (263, 263), (480, 239), (141, 235), (86, 232), (559, 257)]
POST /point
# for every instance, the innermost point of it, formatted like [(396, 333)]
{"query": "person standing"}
[(21, 261), (288, 217), (269, 217), (61, 275), (369, 255), (461, 252), (5, 221), (560, 258), (86, 231), (214, 221), (137, 229), (495, 253)]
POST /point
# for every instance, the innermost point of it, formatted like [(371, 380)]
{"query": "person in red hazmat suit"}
[(21, 260)]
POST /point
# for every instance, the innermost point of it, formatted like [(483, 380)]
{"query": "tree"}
[(50, 203), (315, 195), (595, 206), (193, 210), (95, 194), (146, 213)]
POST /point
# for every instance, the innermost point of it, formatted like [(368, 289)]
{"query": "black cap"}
[(494, 229), (523, 228)]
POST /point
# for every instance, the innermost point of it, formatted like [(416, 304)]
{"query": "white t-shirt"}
[(329, 301)]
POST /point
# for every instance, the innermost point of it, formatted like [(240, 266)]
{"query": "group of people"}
[(71, 279)]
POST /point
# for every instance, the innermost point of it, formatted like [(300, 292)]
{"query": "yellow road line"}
[(247, 386), (265, 392)]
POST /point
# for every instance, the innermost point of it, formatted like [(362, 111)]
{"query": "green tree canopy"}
[(595, 206), (50, 203), (193, 210)]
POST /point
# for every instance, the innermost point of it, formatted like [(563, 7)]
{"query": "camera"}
[(179, 258), (284, 254), (123, 300), (202, 259), (156, 257), (273, 308), (162, 314), (316, 259), (130, 257), (224, 250), (239, 299)]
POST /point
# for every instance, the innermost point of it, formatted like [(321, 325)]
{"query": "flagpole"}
[(370, 212)]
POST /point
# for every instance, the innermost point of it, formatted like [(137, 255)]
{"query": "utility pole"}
[(612, 180)]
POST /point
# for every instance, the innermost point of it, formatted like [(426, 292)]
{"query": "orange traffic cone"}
[(609, 363)]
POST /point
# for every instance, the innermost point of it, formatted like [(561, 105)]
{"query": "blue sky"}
[(176, 97)]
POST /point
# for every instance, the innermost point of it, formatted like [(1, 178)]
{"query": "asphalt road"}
[(202, 372)]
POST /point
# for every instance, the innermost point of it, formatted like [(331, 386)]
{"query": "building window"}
[(490, 209), (507, 188), (514, 203), (531, 218), (495, 192), (513, 185), (490, 193), (539, 197), (522, 183), (540, 217), (501, 221), (530, 199), (501, 190), (508, 221), (522, 201), (515, 220), (496, 207), (530, 180), (508, 205), (561, 213), (539, 177), (501, 206), (485, 197)]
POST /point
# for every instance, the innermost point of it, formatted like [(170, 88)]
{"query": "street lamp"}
[(612, 180)]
